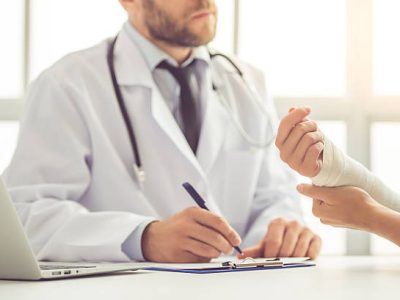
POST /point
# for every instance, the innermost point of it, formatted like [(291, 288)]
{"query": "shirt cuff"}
[(132, 246)]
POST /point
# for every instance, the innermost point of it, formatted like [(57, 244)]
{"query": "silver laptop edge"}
[(18, 261)]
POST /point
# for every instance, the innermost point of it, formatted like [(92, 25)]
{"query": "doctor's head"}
[(181, 23)]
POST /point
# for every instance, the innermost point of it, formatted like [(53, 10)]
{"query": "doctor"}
[(100, 180)]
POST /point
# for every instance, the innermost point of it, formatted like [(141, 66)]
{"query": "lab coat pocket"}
[(241, 174)]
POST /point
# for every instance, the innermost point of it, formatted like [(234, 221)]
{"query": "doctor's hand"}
[(300, 142), (285, 239), (193, 235)]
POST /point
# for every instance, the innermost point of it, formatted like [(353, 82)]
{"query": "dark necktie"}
[(187, 106)]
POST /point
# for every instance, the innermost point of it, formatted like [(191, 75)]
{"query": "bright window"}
[(60, 27), (387, 47), (8, 141), (301, 45), (11, 52), (224, 38)]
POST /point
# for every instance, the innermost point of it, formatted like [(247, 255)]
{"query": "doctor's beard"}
[(180, 31)]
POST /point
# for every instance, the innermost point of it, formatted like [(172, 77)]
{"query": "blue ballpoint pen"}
[(200, 202)]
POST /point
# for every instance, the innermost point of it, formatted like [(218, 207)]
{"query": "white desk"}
[(334, 278)]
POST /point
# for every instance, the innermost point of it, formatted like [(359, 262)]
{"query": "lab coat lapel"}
[(213, 131), (128, 58), (167, 122)]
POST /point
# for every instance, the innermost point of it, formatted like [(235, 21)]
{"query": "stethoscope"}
[(138, 166)]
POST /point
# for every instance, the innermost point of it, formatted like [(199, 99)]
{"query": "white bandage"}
[(340, 170)]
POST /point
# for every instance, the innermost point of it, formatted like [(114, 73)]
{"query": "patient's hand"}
[(300, 142), (346, 206)]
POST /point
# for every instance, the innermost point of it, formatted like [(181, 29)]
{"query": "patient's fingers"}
[(296, 135), (295, 116), (317, 192), (312, 162)]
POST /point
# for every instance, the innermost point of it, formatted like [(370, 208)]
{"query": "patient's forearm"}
[(386, 224)]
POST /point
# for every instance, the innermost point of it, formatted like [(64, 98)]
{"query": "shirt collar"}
[(154, 55)]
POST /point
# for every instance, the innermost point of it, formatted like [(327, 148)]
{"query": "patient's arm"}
[(352, 207), (338, 169), (306, 150)]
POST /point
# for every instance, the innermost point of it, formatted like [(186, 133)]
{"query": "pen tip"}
[(239, 250)]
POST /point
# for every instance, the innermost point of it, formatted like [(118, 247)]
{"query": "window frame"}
[(11, 108)]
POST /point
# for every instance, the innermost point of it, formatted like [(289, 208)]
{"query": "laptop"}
[(17, 260)]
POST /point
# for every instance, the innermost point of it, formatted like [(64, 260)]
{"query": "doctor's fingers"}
[(288, 122), (200, 249), (290, 238), (253, 251), (274, 238), (217, 223), (295, 136), (185, 256), (315, 247), (210, 237), (303, 243)]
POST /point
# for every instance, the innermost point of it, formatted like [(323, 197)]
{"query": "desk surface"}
[(334, 278)]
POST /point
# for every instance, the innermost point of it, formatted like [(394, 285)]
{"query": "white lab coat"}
[(71, 177)]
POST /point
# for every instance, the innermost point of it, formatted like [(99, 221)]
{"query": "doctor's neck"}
[(179, 53)]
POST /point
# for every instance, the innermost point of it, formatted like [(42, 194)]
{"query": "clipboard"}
[(248, 264)]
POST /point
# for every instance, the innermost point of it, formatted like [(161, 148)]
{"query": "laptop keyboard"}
[(56, 267)]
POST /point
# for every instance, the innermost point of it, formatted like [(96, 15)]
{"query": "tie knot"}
[(180, 73)]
